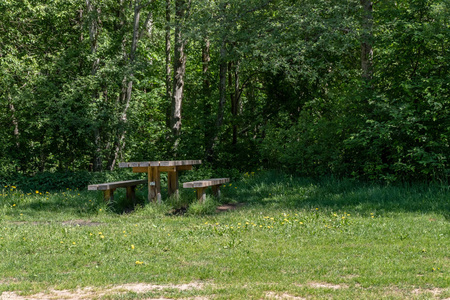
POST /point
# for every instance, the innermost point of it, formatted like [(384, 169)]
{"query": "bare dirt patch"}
[(434, 292), (67, 223), (228, 207), (91, 293), (81, 223), (324, 285), (273, 295)]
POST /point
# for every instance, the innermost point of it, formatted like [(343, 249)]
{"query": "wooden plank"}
[(205, 183), (167, 169), (140, 169), (93, 187), (114, 185), (165, 163)]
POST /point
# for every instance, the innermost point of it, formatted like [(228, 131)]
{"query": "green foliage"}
[(207, 207), (55, 181), (295, 98)]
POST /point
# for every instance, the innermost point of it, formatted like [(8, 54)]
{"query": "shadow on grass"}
[(73, 204), (283, 191), (263, 190)]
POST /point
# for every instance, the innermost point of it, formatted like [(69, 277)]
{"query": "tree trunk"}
[(366, 41), (179, 71), (168, 62), (222, 87), (92, 15), (127, 89), (206, 58), (15, 123), (205, 62), (235, 103), (222, 100)]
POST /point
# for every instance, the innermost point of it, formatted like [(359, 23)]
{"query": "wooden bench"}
[(109, 188), (201, 186)]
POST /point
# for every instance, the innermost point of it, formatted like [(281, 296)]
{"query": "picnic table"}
[(154, 169)]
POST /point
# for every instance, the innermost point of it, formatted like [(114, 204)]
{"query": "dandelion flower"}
[(37, 192), (132, 247), (139, 262)]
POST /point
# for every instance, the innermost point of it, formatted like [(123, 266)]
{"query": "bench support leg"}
[(131, 194), (172, 182), (154, 185), (216, 190), (108, 195), (201, 194)]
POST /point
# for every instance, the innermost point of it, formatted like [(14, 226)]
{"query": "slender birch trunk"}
[(92, 14), (168, 62), (179, 72)]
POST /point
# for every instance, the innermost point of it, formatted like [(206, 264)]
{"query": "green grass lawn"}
[(289, 238)]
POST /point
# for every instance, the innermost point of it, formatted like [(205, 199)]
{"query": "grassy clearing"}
[(293, 238)]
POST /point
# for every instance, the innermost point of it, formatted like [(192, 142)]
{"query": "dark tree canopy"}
[(343, 88)]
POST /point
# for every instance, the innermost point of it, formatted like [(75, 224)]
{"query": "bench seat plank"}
[(114, 185), (205, 183), (201, 185), (109, 188)]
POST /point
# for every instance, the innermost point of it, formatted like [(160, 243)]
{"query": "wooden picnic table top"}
[(166, 163)]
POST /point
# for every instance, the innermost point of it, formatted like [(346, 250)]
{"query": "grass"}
[(293, 238)]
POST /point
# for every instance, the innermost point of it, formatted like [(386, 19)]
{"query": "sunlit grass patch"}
[(302, 238)]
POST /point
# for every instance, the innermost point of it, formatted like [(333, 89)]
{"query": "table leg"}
[(154, 185), (172, 182)]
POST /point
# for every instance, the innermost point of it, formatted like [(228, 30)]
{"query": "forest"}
[(345, 88)]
